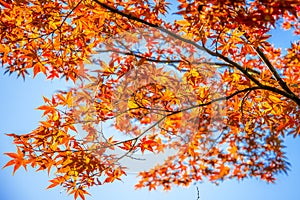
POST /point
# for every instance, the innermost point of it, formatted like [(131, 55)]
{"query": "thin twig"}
[(198, 193)]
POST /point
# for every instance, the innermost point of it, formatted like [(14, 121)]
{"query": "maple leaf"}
[(79, 192), (18, 160), (210, 85)]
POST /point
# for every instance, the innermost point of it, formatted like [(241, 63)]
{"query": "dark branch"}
[(131, 53), (273, 70), (291, 96)]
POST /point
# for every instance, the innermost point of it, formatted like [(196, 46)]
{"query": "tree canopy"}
[(198, 77)]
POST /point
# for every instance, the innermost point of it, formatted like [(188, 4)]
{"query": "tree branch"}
[(131, 53), (273, 70), (215, 54)]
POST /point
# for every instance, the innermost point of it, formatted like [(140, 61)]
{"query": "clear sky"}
[(18, 115)]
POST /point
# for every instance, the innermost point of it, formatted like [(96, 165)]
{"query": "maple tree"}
[(208, 84)]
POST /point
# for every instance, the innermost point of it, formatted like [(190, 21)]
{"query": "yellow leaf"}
[(274, 99), (55, 116), (132, 104), (183, 22)]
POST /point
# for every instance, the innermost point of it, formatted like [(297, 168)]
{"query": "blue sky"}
[(18, 115)]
